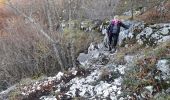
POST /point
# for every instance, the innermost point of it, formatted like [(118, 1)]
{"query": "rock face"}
[(152, 35), (148, 35)]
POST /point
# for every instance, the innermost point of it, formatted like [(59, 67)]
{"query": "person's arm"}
[(124, 26)]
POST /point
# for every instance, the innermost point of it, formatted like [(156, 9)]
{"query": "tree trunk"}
[(49, 15), (69, 16), (132, 11), (73, 55)]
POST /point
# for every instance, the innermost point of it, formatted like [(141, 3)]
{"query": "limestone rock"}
[(164, 67)]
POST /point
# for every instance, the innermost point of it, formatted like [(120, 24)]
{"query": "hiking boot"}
[(114, 49)]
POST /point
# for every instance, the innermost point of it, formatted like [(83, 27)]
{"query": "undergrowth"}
[(142, 73)]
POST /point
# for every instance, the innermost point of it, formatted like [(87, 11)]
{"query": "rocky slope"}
[(138, 71)]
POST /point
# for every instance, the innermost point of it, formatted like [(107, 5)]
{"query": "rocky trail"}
[(97, 79)]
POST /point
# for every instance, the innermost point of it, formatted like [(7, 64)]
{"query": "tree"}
[(38, 27)]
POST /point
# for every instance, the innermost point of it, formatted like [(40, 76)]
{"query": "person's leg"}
[(110, 41), (115, 37)]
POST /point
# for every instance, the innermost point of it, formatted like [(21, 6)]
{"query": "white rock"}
[(119, 92), (59, 75), (104, 31), (147, 31), (122, 98), (121, 69), (74, 73), (129, 58), (164, 67), (113, 97), (101, 87), (128, 13), (149, 88), (118, 81), (165, 30), (123, 34), (48, 98), (38, 88), (164, 39), (91, 47)]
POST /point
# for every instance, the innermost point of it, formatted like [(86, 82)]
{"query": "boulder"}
[(144, 35), (165, 31), (85, 59), (168, 91), (135, 28), (164, 67)]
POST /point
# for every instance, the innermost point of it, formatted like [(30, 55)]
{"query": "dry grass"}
[(124, 17), (104, 74), (155, 16), (131, 50), (161, 51)]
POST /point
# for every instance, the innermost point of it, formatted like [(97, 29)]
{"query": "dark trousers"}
[(114, 38)]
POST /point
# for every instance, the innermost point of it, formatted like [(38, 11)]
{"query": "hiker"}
[(113, 31)]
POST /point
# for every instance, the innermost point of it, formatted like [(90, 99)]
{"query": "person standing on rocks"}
[(113, 31)]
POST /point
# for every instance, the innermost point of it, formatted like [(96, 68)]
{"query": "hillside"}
[(135, 71), (57, 50)]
